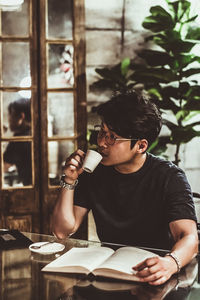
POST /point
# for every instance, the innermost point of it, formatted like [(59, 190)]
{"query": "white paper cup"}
[(91, 161)]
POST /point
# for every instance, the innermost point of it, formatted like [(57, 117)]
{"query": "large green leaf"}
[(162, 98), (182, 60), (183, 135), (192, 91), (192, 104), (173, 6), (171, 41), (103, 84), (184, 86), (151, 23), (170, 125), (110, 73), (192, 19), (125, 64), (157, 75), (183, 10), (180, 9), (176, 92), (193, 33), (155, 58), (190, 72), (180, 46), (191, 115), (154, 92), (170, 91), (168, 104), (159, 20), (159, 11), (159, 145), (182, 114)]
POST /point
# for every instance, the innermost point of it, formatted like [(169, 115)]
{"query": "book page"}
[(125, 258), (88, 258)]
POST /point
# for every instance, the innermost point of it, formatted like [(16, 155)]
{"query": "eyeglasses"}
[(111, 138)]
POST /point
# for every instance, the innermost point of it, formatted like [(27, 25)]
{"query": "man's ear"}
[(142, 146)]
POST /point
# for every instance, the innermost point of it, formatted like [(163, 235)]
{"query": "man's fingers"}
[(159, 281), (148, 271), (146, 263), (151, 277), (76, 159), (71, 167)]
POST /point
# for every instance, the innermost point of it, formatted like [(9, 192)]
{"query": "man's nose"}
[(102, 142)]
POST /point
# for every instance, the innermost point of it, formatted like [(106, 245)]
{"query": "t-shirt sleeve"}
[(179, 198), (81, 193)]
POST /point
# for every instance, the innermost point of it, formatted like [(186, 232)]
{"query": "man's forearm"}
[(63, 220), (185, 249)]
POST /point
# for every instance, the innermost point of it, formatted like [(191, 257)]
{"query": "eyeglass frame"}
[(115, 138)]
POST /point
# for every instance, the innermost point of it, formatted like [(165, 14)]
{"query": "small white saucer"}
[(47, 249)]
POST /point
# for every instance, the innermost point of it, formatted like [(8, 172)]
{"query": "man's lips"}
[(102, 153)]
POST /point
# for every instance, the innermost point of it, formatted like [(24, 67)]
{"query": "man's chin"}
[(105, 162)]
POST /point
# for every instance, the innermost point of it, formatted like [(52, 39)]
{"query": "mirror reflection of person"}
[(136, 198), (18, 153)]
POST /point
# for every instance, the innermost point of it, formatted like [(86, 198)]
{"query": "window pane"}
[(17, 164), (60, 66), (16, 23), (59, 19), (57, 154), (60, 114), (16, 115), (16, 63)]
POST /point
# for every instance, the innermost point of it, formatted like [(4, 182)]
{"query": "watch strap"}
[(66, 185), (176, 259)]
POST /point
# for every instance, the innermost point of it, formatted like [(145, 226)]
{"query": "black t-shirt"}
[(136, 208)]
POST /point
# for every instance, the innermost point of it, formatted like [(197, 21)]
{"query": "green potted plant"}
[(169, 73)]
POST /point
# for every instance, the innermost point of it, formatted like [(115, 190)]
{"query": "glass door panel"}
[(16, 23), (60, 66), (59, 19), (16, 115), (15, 63), (60, 114)]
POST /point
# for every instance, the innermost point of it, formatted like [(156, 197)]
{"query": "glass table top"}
[(21, 278)]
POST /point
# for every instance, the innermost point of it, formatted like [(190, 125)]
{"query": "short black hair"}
[(132, 115), (21, 105)]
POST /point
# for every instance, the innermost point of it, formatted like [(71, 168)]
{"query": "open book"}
[(100, 261)]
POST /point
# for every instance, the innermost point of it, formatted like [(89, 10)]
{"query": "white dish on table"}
[(49, 248)]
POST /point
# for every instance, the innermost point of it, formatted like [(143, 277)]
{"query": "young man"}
[(136, 198)]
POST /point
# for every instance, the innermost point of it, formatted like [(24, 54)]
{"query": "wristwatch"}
[(66, 185), (176, 259)]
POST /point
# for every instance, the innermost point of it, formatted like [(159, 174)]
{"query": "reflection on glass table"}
[(22, 278)]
